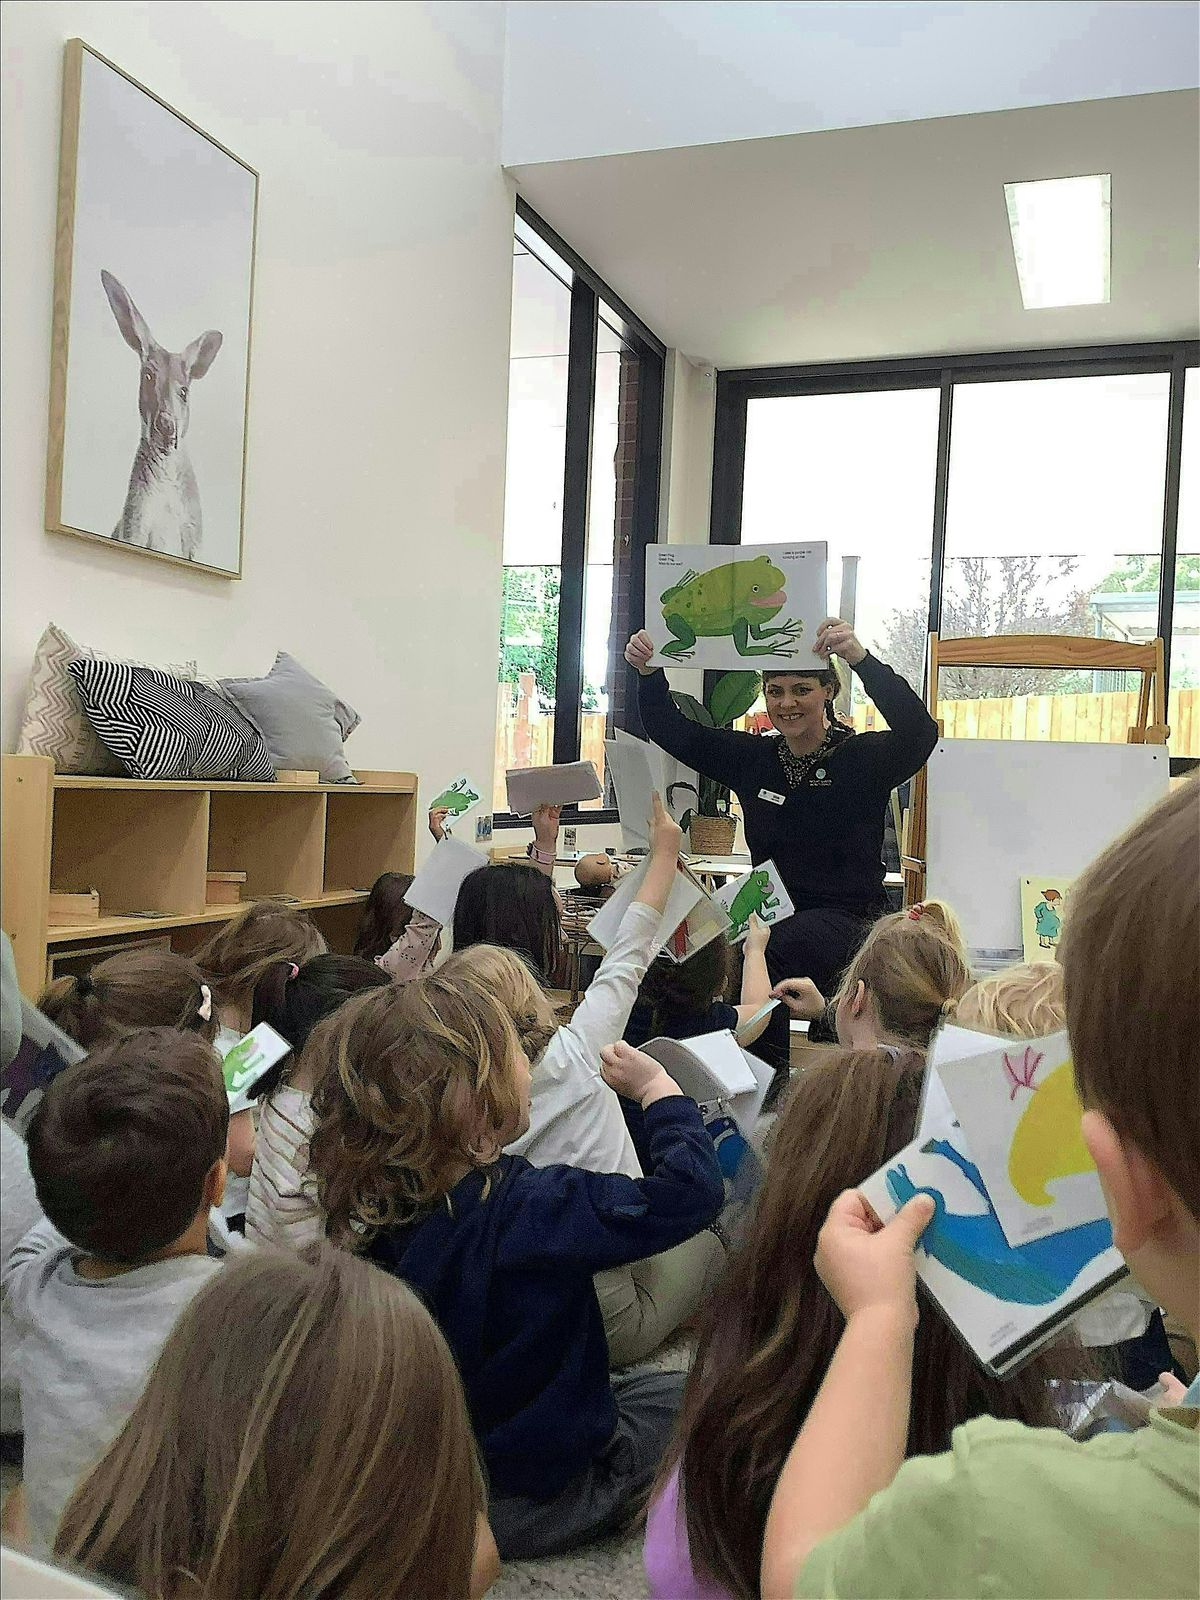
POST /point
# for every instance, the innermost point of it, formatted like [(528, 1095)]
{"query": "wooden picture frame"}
[(153, 264)]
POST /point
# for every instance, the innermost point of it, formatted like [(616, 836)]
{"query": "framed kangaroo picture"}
[(150, 361)]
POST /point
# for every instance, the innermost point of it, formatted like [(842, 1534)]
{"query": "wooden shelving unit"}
[(147, 847)]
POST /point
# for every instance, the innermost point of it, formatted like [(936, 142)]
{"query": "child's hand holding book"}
[(636, 1075), (866, 1265)]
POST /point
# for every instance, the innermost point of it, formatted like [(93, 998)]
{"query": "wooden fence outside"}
[(525, 736)]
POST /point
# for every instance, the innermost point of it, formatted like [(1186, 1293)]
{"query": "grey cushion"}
[(303, 722)]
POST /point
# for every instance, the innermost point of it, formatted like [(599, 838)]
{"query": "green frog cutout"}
[(754, 898), (737, 600), (459, 797)]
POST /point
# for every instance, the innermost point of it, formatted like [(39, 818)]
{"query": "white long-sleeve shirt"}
[(574, 1117)]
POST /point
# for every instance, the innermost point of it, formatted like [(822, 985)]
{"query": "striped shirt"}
[(282, 1208)]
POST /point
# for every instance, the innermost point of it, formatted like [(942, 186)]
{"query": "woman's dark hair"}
[(513, 906), (770, 1327), (385, 915), (674, 988), (293, 1000), (828, 677)]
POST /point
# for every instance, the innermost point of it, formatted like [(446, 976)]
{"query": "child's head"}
[(686, 986), (146, 986), (1131, 969), (910, 970), (294, 999), (242, 949), (595, 871), (770, 1328), (500, 973), (127, 1147), (414, 1086), (385, 915), (1024, 1001), (231, 1475), (511, 904)]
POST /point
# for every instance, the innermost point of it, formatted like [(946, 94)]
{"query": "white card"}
[(570, 783), (713, 1066), (435, 888), (760, 893), (1015, 1101), (629, 766), (748, 607), (247, 1060)]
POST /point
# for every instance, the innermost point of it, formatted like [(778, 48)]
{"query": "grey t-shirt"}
[(84, 1352)]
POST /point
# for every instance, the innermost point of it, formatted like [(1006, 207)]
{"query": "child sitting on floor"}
[(127, 1153), (230, 1478), (142, 987), (419, 1090), (770, 1329), (680, 999), (909, 972), (1011, 1510), (281, 1207)]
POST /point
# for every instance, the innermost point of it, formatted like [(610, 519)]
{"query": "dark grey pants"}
[(614, 1487)]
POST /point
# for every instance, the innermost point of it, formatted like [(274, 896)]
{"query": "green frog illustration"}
[(459, 797), (754, 898), (244, 1064), (738, 599)]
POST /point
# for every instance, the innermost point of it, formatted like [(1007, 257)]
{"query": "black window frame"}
[(588, 290), (736, 387)]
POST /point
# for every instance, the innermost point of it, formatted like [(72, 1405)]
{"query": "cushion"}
[(54, 723), (160, 726), (303, 722)]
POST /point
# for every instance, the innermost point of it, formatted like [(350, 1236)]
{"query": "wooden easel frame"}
[(1042, 651)]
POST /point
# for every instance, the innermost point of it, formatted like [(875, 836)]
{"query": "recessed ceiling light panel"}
[(1061, 237)]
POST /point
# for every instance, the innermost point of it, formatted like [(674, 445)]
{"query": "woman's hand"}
[(437, 822), (545, 827), (635, 1075), (638, 652), (867, 1266), (836, 638), (665, 833), (757, 935), (801, 996)]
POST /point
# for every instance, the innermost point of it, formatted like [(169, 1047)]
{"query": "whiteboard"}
[(1002, 808)]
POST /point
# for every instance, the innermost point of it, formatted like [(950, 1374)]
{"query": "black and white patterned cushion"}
[(160, 726)]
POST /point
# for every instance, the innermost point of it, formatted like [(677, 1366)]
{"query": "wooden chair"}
[(1041, 650)]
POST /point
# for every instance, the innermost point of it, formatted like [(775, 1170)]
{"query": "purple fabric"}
[(668, 1564)]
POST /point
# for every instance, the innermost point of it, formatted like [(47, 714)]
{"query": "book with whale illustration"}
[(1020, 1239)]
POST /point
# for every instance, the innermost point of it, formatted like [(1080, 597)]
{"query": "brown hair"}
[(1025, 1001), (121, 1143), (385, 915), (688, 986), (242, 949), (1130, 955), (410, 1083), (513, 905), (770, 1328), (828, 677), (143, 987), (915, 970), (303, 1434)]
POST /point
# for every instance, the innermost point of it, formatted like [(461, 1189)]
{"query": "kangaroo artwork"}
[(730, 606), (156, 254)]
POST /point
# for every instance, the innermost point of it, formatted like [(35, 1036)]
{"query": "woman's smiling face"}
[(796, 704)]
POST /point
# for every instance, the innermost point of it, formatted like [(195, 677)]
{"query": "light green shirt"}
[(1026, 1512)]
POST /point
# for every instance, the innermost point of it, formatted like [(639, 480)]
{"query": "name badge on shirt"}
[(775, 799)]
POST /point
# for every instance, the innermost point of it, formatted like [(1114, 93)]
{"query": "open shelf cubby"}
[(148, 847)]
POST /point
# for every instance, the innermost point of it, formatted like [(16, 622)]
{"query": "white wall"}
[(379, 364), (597, 77)]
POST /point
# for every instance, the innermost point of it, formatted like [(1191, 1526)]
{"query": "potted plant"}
[(710, 824)]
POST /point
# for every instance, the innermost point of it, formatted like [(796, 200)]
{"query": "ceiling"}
[(863, 243)]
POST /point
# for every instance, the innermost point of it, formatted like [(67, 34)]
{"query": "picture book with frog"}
[(736, 606), (758, 893)]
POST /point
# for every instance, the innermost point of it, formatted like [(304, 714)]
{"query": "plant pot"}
[(713, 836)]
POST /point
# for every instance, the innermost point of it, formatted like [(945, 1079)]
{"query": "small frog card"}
[(459, 798), (760, 893), (246, 1061), (752, 606)]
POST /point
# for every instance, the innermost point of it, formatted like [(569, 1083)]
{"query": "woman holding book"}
[(813, 800)]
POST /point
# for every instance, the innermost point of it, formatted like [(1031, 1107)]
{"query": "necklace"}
[(797, 768)]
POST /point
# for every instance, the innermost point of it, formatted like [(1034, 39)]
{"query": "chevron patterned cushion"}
[(159, 726), (53, 723)]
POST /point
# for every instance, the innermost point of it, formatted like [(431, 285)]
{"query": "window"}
[(584, 426), (983, 495)]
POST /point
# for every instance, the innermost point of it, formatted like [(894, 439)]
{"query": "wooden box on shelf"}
[(148, 848), (74, 906), (224, 888)]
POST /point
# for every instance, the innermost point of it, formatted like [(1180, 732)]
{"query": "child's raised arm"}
[(852, 1442), (665, 838), (756, 981)]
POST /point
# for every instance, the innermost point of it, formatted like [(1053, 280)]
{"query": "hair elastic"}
[(205, 1010), (915, 913), (293, 972), (84, 985)]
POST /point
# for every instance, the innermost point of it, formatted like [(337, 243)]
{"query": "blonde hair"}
[(1025, 1001), (411, 1083), (143, 987), (303, 1434), (914, 967), (250, 943), (487, 969)]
